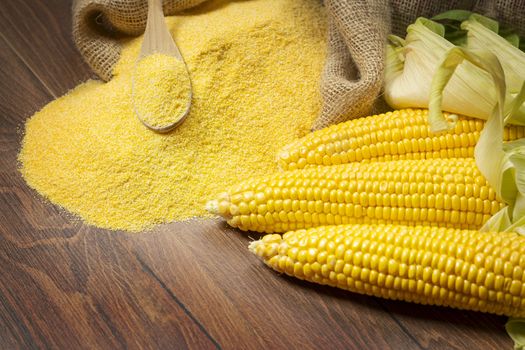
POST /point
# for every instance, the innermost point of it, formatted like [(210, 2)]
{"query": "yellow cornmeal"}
[(255, 68), (161, 90)]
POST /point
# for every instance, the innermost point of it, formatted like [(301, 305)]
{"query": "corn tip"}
[(212, 207), (253, 246), (266, 248)]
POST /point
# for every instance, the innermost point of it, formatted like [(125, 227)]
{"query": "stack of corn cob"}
[(381, 206)]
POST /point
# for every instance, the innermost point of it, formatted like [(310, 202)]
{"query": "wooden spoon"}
[(157, 39)]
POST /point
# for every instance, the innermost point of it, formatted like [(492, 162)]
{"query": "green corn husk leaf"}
[(503, 165), (411, 64), (516, 330), (453, 19), (482, 33), (456, 16), (455, 35)]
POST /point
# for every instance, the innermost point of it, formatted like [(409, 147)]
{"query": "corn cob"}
[(446, 192), (402, 134), (463, 269)]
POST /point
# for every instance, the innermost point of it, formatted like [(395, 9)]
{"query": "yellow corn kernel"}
[(428, 265), (447, 192), (402, 134)]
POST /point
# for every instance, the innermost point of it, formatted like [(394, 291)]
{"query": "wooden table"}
[(184, 285)]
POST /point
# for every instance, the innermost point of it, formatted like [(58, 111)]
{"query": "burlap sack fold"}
[(352, 78), (350, 81)]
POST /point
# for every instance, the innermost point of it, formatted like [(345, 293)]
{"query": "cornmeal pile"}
[(255, 68), (161, 90)]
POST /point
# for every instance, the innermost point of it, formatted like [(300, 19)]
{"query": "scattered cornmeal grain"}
[(161, 90), (255, 69)]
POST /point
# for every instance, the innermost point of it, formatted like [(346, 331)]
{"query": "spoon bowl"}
[(158, 40)]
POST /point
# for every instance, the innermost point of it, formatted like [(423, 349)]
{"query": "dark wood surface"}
[(184, 285)]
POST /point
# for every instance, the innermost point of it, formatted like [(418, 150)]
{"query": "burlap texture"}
[(98, 24), (353, 75)]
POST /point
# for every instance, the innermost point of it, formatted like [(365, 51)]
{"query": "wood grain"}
[(445, 328), (40, 33), (192, 285), (265, 309)]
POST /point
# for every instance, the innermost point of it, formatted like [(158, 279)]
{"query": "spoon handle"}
[(157, 38)]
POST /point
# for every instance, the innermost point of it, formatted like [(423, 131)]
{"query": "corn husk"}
[(413, 61)]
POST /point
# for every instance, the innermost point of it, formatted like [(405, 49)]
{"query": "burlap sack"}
[(353, 75)]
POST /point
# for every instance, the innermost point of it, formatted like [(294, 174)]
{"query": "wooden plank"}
[(19, 98), (208, 266), (39, 31), (446, 328), (86, 291)]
